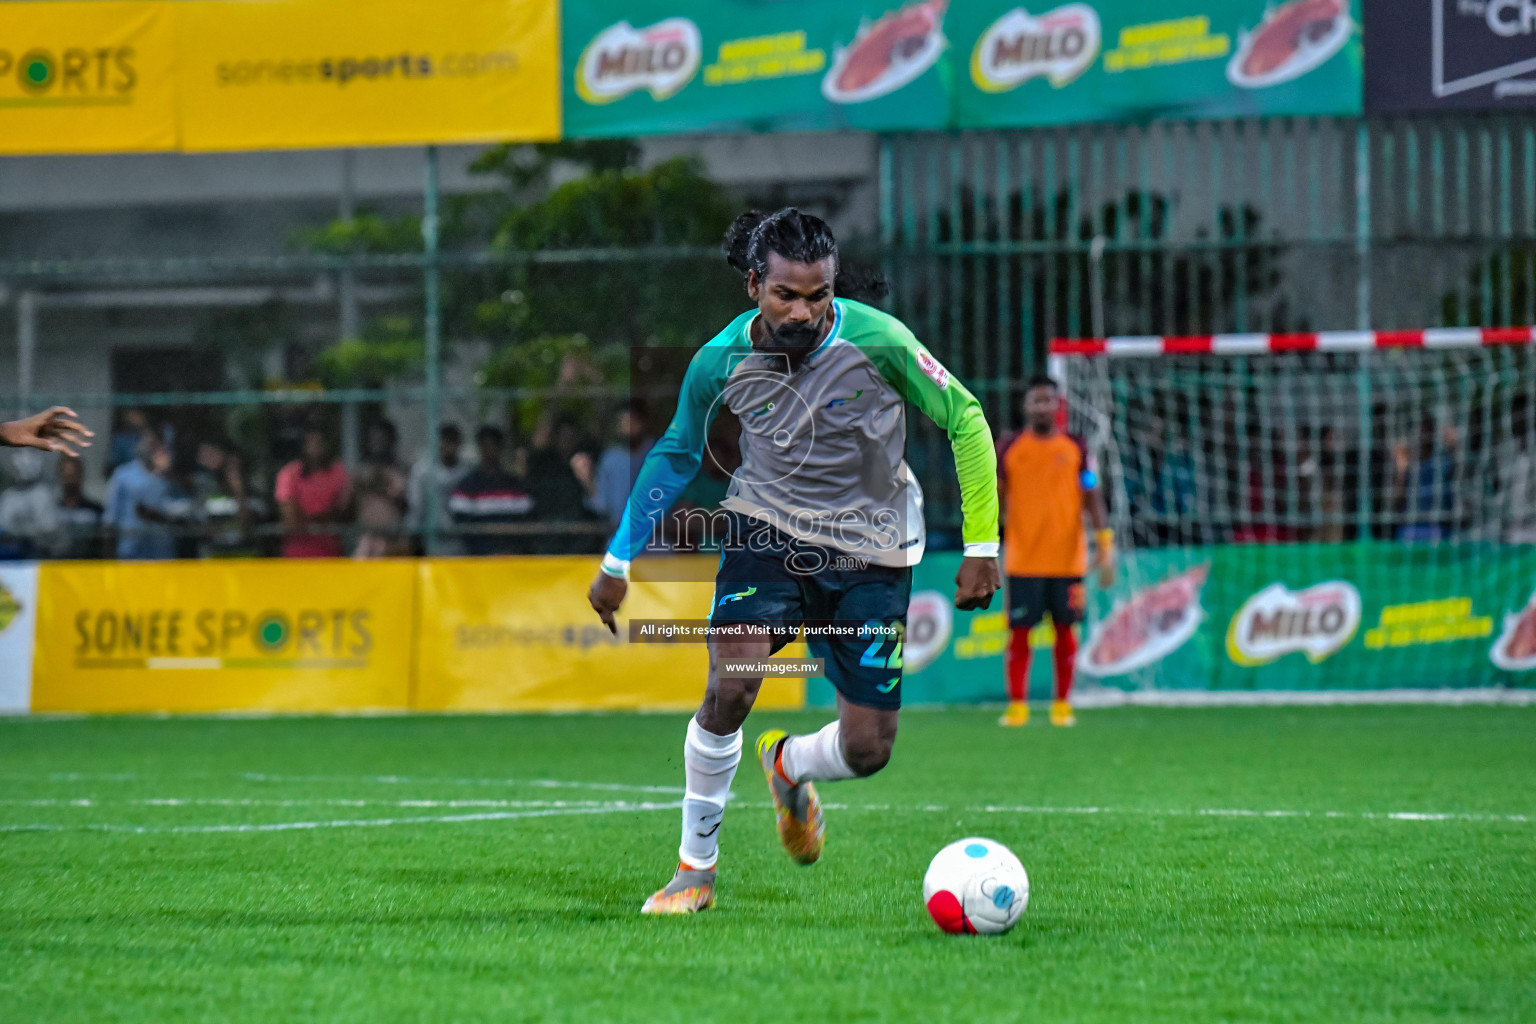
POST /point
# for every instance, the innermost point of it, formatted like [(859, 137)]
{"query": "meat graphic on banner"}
[(1153, 624), (1292, 39), (1450, 54), (888, 54), (1515, 650)]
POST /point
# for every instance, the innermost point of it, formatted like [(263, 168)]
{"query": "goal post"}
[(1334, 511)]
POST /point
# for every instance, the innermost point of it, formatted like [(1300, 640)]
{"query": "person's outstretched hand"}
[(55, 430)]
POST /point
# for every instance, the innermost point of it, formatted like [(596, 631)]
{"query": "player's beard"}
[(794, 340)]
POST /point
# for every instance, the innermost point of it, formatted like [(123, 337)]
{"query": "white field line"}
[(333, 802), (1241, 812), (70, 777), (1110, 697), (403, 780), (536, 809), (295, 826)]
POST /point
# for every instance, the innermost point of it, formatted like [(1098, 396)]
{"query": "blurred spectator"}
[(180, 509), (79, 518), (28, 507), (1424, 484), (608, 483), (314, 494), (1516, 464), (380, 491), (1322, 471), (558, 494), (432, 481), (223, 506), (79, 533), (1265, 485), (488, 496), (123, 445), (137, 498)]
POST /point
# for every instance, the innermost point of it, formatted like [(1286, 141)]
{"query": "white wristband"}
[(981, 549), (615, 567)]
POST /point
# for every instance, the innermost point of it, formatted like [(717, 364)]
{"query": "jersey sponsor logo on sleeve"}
[(931, 369), (764, 409)]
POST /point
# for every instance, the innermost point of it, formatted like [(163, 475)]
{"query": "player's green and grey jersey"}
[(822, 446)]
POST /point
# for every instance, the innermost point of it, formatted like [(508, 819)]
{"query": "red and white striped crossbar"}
[(1322, 341)]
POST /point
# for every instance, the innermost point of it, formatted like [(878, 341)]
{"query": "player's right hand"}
[(605, 596), (975, 583)]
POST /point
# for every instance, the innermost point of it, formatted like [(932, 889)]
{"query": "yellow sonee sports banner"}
[(87, 77), (224, 635), (517, 634), (257, 74)]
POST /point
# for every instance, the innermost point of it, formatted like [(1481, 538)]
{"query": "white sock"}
[(818, 757), (709, 765)]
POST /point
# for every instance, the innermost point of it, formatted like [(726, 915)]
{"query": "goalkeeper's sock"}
[(1065, 656), (814, 758), (709, 765), (1018, 665)]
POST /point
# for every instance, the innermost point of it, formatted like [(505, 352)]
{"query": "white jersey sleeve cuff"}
[(982, 549), (616, 567)]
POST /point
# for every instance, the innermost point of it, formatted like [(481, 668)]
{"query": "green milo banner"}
[(1251, 617), (1119, 60), (641, 67)]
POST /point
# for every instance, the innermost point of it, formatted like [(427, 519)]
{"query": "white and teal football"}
[(976, 887)]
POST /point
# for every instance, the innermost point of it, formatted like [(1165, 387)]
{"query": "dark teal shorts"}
[(768, 578)]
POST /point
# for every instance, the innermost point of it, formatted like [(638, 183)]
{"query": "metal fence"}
[(999, 241), (994, 243)]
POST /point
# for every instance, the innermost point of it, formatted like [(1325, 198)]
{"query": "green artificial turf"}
[(1162, 897)]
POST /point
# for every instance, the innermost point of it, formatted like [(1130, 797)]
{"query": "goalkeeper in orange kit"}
[(1045, 479)]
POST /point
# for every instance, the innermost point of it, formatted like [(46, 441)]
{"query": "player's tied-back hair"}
[(802, 238)]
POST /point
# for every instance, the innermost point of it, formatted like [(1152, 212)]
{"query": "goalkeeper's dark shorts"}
[(1031, 597), (768, 578)]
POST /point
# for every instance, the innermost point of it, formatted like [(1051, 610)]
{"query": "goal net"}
[(1350, 511)]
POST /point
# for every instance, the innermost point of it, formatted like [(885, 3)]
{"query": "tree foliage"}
[(597, 256)]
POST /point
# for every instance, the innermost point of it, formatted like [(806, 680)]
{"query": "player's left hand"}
[(975, 583), (54, 430)]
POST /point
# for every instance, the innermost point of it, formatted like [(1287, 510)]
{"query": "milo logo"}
[(1277, 621), (1059, 44), (621, 59)]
